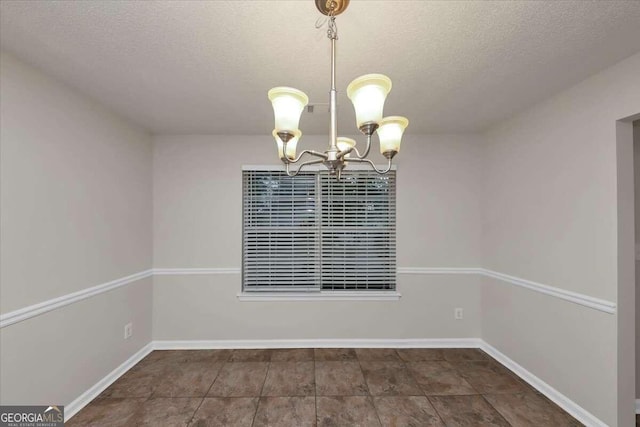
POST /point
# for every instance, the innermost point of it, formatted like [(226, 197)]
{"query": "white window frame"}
[(315, 295)]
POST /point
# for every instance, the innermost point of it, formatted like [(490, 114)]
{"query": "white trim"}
[(320, 343), (574, 297), (320, 296), (189, 271), (439, 270), (637, 406), (578, 412), (83, 400), (43, 307)]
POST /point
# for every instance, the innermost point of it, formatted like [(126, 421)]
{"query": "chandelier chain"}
[(332, 30), (332, 27)]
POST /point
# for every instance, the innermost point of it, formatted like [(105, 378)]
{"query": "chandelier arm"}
[(341, 154), (380, 171), (287, 160), (366, 150), (296, 172)]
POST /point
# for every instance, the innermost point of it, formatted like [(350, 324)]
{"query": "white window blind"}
[(357, 231), (313, 233), (280, 235)]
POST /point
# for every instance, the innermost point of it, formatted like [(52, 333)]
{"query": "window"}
[(312, 233)]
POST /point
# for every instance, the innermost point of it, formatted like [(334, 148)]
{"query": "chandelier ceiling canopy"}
[(367, 93)]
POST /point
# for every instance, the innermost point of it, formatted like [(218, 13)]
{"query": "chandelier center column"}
[(333, 133)]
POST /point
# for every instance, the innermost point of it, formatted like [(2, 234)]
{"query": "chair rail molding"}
[(34, 310), (574, 297)]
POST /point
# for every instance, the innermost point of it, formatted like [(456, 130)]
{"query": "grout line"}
[(195, 412), (459, 372), (223, 362), (369, 395), (495, 409), (266, 374), (436, 410), (315, 387), (211, 386)]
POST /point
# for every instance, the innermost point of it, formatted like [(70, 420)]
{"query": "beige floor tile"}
[(406, 411), (166, 411), (335, 354), (290, 379), (240, 379), (297, 411), (439, 378), (259, 355), (467, 411), (377, 354), (353, 411), (389, 379), (420, 354), (292, 355), (225, 412), (340, 379), (187, 379)]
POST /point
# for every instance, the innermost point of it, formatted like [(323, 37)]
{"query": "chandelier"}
[(367, 93)]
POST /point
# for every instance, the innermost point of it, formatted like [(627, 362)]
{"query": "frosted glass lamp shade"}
[(368, 93), (291, 145), (390, 133), (288, 104), (345, 143)]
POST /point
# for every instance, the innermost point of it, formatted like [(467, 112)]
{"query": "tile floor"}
[(323, 387)]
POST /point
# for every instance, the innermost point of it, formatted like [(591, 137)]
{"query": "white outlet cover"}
[(128, 330)]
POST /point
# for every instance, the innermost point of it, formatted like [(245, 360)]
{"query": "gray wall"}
[(197, 223), (551, 216), (75, 212)]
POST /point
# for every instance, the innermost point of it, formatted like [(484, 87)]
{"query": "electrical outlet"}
[(458, 314), (128, 330)]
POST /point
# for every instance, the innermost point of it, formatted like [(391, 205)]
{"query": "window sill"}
[(320, 296)]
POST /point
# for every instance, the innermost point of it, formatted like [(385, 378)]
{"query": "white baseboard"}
[(554, 395), (320, 343), (578, 412), (637, 406), (83, 400)]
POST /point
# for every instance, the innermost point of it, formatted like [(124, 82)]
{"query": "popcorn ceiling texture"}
[(205, 67)]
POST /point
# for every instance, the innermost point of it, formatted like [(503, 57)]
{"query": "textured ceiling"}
[(205, 67)]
